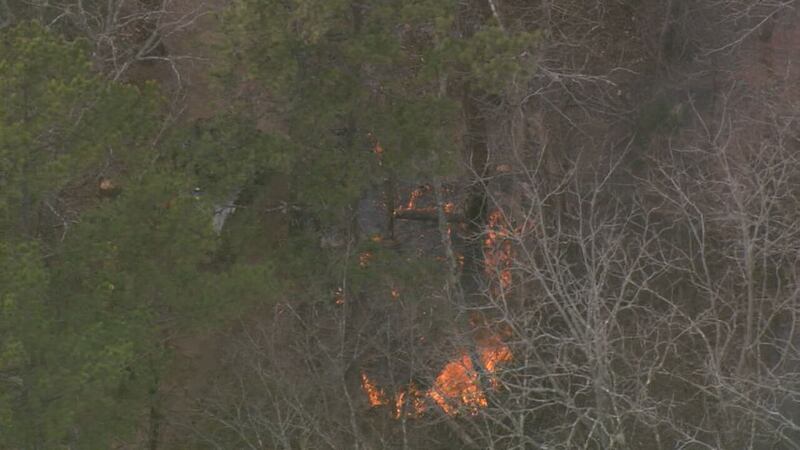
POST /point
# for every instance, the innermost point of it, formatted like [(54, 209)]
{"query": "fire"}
[(106, 184), (377, 148), (409, 402), (338, 296), (494, 352), (364, 258), (492, 357), (497, 250), (496, 226), (460, 260), (457, 387), (415, 195), (376, 396)]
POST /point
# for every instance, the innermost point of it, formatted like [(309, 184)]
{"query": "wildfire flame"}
[(338, 296), (497, 250), (364, 258), (106, 184), (409, 402), (494, 352), (414, 196), (456, 389), (377, 148), (376, 396)]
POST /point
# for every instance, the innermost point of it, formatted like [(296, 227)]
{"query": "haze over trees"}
[(399, 224)]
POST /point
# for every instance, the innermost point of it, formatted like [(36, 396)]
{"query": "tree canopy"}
[(399, 224)]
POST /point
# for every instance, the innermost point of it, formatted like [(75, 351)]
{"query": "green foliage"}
[(68, 351), (226, 152), (412, 149), (82, 329), (349, 73), (495, 58), (66, 360), (378, 269), (345, 75), (85, 314), (23, 286), (58, 121)]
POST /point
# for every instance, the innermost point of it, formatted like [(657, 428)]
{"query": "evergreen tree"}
[(86, 313)]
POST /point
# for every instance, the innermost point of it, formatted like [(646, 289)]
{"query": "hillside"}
[(416, 224)]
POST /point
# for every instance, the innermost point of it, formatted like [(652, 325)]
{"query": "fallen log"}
[(427, 214)]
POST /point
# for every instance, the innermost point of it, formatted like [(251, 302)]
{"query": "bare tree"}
[(121, 33), (656, 311), (639, 265)]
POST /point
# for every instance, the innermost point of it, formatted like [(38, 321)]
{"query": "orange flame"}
[(497, 251), (494, 352), (376, 396), (457, 387), (106, 184), (377, 148), (413, 197), (460, 260), (364, 258), (410, 402), (338, 296)]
